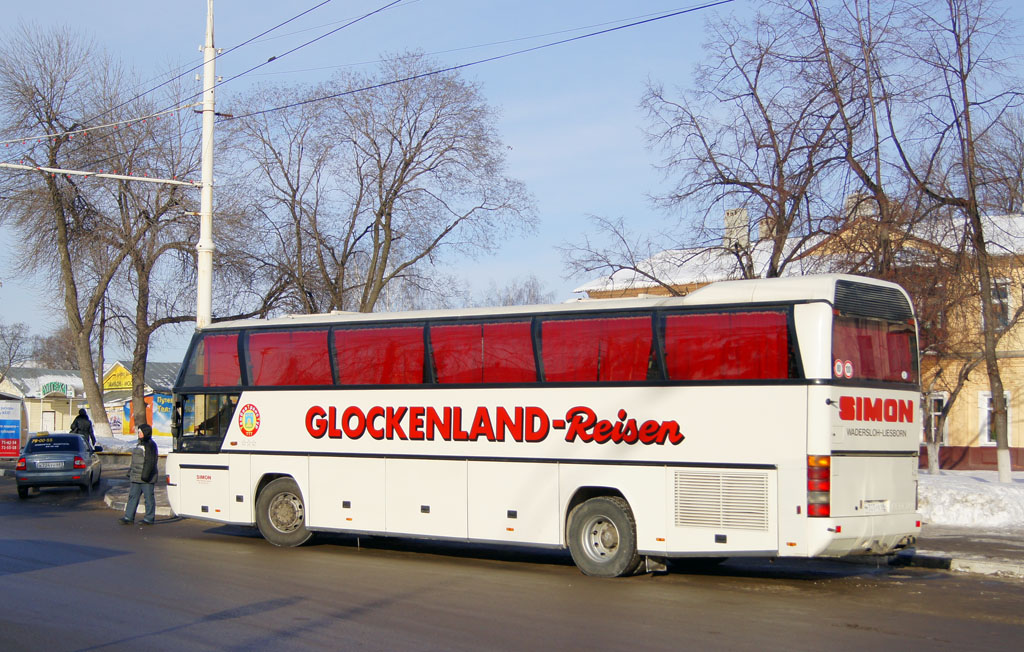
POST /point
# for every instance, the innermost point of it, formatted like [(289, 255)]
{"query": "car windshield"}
[(54, 445)]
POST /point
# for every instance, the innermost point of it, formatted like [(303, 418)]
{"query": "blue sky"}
[(569, 114)]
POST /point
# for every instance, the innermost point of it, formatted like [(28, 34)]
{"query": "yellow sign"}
[(118, 378)]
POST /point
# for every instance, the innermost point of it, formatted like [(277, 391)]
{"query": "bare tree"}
[(153, 287), (55, 351), (15, 347), (371, 187), (959, 47), (528, 290), (613, 249), (51, 83), (1002, 164), (757, 131)]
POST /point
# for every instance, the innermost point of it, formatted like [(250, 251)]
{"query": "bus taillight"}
[(819, 485)]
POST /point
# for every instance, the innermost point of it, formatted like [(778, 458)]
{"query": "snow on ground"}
[(971, 499), (125, 443)]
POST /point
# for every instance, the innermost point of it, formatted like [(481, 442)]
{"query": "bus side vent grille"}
[(729, 500), (872, 301)]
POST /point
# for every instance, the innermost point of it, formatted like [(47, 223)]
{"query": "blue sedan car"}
[(58, 460)]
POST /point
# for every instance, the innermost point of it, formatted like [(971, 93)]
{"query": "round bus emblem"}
[(249, 420)]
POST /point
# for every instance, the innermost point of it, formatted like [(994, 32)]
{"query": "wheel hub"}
[(600, 539), (286, 512)]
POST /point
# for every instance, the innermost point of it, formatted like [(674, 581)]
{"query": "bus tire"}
[(602, 537), (281, 514)]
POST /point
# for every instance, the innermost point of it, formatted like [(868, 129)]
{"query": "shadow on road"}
[(738, 567)]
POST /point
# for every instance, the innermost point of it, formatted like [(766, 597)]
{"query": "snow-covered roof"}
[(31, 382), (37, 383), (682, 267), (159, 376), (701, 265)]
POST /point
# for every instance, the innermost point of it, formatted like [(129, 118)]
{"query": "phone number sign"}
[(10, 428)]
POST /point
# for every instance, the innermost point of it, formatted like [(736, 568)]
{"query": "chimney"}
[(858, 204), (737, 229)]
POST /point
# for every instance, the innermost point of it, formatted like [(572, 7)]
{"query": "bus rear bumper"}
[(871, 535)]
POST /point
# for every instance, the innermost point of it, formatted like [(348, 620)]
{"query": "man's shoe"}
[(145, 522), (124, 521)]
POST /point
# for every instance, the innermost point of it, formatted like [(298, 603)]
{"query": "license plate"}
[(874, 506), (49, 465)]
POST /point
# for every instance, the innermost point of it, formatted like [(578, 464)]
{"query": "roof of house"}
[(31, 382), (681, 267), (701, 265), (160, 376)]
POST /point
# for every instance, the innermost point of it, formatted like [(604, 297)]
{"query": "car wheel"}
[(96, 482), (23, 492), (602, 537), (281, 514)]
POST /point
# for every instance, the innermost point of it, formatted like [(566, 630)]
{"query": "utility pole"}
[(204, 279)]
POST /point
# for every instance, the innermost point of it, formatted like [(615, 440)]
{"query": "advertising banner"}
[(10, 428), (158, 414)]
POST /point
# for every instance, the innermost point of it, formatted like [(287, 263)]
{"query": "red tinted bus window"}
[(380, 356), (727, 346), (484, 353), (871, 349), (220, 361), (289, 358), (588, 350)]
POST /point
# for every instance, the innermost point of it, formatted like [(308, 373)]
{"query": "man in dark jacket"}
[(142, 474), (82, 426)]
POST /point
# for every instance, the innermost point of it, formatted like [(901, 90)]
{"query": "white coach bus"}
[(750, 418)]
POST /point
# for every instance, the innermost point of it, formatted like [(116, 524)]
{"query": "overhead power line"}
[(498, 57), (109, 125), (478, 46), (310, 42), (220, 54)]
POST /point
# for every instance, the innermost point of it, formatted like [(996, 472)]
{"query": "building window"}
[(986, 427), (936, 402), (1001, 302)]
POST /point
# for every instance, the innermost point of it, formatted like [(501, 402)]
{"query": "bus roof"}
[(777, 290)]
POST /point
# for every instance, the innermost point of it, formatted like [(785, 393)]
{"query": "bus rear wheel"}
[(602, 537), (281, 514)]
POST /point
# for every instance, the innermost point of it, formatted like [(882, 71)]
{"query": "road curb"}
[(117, 498), (1000, 567), (974, 565)]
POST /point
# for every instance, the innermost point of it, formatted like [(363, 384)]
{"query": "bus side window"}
[(204, 420)]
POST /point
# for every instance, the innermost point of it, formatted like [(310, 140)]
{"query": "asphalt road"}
[(71, 578)]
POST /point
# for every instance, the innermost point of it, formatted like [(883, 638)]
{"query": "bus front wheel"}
[(602, 537), (281, 514)]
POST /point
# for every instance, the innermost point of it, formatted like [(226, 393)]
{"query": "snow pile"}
[(125, 443), (971, 498)]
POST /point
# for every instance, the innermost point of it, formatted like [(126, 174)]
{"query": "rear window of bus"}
[(873, 349)]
